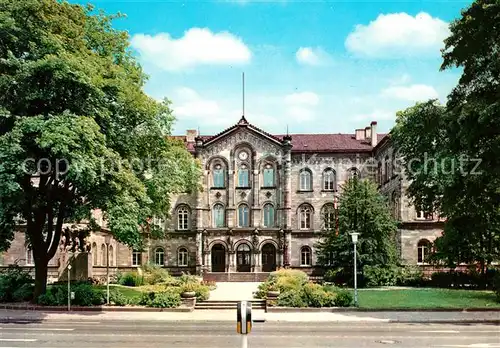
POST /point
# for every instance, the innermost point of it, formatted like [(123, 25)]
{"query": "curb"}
[(102, 309), (368, 310)]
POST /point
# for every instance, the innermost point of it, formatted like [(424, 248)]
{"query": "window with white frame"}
[(103, 255), (268, 215), (423, 249), (305, 217), (136, 258), (329, 180), (182, 257), (305, 180), (159, 257), (243, 216), (29, 257), (182, 218), (218, 216), (305, 256)]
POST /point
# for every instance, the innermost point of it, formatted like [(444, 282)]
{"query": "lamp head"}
[(354, 236)]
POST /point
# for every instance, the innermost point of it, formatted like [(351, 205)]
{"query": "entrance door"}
[(218, 258), (243, 255), (268, 258)]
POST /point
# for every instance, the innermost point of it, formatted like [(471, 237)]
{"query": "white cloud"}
[(397, 35), (302, 98), (189, 104), (376, 115), (312, 56), (418, 92), (400, 80), (198, 46)]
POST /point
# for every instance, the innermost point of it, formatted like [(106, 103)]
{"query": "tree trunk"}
[(41, 268)]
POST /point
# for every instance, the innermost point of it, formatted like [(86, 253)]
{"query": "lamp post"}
[(108, 241), (69, 287), (354, 236)]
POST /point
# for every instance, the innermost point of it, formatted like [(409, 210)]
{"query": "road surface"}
[(90, 334)]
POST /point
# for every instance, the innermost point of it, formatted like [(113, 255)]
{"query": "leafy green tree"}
[(77, 132), (461, 142), (364, 210)]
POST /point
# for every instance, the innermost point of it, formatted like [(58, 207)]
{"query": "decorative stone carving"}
[(243, 195), (243, 136), (229, 240), (218, 195), (255, 242), (268, 194)]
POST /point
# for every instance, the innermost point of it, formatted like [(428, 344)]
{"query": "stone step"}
[(256, 304)]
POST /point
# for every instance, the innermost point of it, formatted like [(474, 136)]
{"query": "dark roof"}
[(300, 142)]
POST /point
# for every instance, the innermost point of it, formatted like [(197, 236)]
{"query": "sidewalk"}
[(228, 315)]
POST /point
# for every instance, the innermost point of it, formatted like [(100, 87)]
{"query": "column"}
[(287, 249), (287, 188), (199, 252)]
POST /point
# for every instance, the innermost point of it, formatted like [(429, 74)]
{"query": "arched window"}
[(103, 255), (136, 258), (424, 249), (395, 206), (329, 180), (329, 216), (305, 256), (305, 180), (354, 173), (219, 216), (29, 257), (305, 217), (183, 218), (111, 257), (243, 216), (387, 169), (94, 254), (268, 175), (218, 176), (182, 257), (243, 176), (159, 257), (268, 215)]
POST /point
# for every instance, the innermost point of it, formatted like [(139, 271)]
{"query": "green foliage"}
[(16, 285), (451, 152), (496, 286), (291, 298), (166, 299), (154, 274), (71, 93), (343, 298), (85, 295), (364, 210), (131, 279), (282, 280), (381, 275), (202, 291), (117, 298)]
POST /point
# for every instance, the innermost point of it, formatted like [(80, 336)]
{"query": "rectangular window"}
[(219, 178), (136, 258), (243, 178), (268, 177)]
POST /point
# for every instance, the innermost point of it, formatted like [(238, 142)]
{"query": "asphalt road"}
[(149, 334)]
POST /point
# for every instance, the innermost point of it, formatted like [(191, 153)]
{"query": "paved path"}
[(215, 334), (234, 291)]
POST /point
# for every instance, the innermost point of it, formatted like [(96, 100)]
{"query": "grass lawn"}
[(426, 298), (127, 291)]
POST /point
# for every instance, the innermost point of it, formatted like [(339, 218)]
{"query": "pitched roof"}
[(300, 142)]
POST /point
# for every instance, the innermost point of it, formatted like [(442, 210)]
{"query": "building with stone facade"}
[(265, 200)]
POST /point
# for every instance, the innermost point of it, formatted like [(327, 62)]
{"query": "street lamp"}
[(108, 241), (69, 287), (354, 236)]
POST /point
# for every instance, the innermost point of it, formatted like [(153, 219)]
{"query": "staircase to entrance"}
[(209, 304), (236, 276), (228, 294)]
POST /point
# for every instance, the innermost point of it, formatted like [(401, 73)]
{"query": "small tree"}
[(364, 210)]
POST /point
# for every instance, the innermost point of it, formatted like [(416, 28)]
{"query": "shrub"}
[(411, 276), (165, 299), (202, 291), (381, 275), (117, 298), (496, 286), (314, 295), (343, 298), (154, 274), (86, 295), (210, 283), (131, 279), (291, 298), (187, 278), (15, 284)]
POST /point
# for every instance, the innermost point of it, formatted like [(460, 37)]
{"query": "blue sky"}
[(316, 66)]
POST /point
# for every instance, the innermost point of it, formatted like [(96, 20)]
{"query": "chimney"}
[(191, 134), (368, 133), (360, 134), (373, 132)]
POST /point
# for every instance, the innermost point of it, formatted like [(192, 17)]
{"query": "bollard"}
[(244, 321)]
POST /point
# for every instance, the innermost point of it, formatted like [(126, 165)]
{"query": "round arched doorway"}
[(268, 258), (218, 258), (243, 257)]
